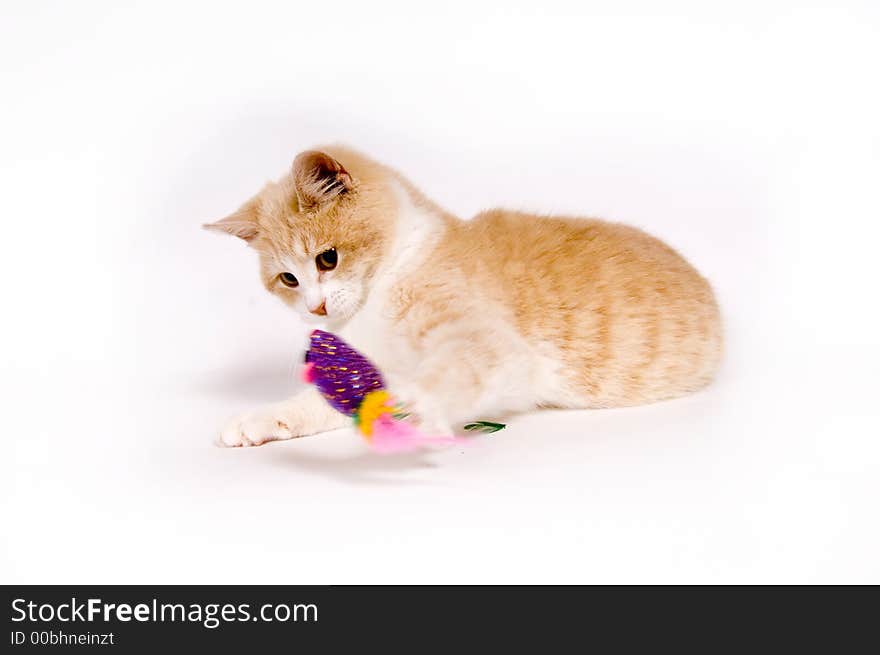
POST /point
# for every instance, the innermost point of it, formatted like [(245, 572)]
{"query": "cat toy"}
[(353, 385)]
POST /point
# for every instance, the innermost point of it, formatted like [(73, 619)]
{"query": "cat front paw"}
[(270, 423), (425, 415)]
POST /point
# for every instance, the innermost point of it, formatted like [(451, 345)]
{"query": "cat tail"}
[(392, 436)]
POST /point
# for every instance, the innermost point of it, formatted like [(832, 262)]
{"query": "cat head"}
[(321, 232)]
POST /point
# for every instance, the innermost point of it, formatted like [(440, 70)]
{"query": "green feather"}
[(485, 426)]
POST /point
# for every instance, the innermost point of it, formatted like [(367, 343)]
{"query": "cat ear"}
[(242, 224), (318, 178)]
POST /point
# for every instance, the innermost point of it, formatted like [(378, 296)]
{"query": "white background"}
[(746, 135)]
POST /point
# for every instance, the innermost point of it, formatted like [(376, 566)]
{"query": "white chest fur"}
[(372, 329)]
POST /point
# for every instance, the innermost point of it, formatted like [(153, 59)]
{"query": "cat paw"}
[(255, 428), (425, 415)]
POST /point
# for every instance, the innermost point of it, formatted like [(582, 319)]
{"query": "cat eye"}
[(327, 260), (289, 280)]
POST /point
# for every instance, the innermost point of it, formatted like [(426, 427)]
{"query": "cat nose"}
[(320, 310)]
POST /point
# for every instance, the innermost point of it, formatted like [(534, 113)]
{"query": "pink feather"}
[(391, 436)]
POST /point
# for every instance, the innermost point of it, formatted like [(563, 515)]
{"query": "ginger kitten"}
[(503, 313)]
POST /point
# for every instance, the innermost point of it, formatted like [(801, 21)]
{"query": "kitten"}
[(503, 313)]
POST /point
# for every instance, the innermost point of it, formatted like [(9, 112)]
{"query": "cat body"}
[(474, 319)]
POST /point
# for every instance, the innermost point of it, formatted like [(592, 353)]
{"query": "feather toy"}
[(353, 385)]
